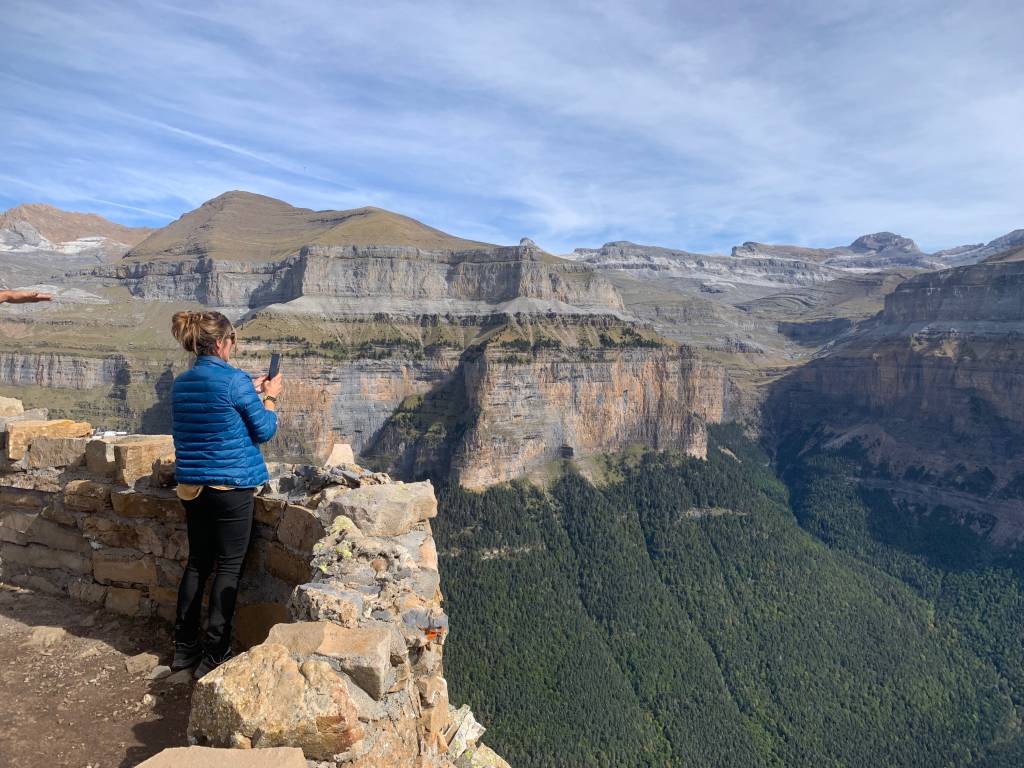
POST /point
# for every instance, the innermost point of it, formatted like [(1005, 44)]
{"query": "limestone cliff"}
[(534, 409), (933, 389), (363, 280), (511, 408)]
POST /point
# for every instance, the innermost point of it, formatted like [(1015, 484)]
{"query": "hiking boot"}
[(186, 654), (210, 662)]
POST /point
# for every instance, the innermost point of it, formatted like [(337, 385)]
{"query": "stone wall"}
[(339, 606)]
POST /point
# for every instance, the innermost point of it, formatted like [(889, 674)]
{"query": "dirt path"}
[(66, 697)]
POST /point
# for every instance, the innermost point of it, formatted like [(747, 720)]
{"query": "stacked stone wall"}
[(339, 605)]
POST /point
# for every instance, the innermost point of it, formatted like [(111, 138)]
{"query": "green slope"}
[(680, 616), (976, 591)]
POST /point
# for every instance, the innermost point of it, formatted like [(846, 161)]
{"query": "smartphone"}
[(275, 365)]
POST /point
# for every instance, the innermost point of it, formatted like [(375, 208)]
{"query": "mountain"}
[(1014, 253), (764, 308), (379, 318), (249, 252), (970, 254), (59, 226), (713, 270), (39, 242), (242, 226), (881, 250)]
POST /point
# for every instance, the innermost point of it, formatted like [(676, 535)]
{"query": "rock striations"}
[(933, 389), (373, 310), (331, 281)]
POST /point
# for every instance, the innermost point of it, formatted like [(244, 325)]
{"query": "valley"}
[(762, 508)]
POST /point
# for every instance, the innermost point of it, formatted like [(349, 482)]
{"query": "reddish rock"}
[(363, 653), (268, 699)]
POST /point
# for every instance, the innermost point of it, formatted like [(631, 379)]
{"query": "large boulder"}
[(265, 698), (384, 510), (362, 653)]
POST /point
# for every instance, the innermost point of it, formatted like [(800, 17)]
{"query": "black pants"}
[(219, 524)]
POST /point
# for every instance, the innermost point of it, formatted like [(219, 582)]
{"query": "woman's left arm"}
[(262, 422)]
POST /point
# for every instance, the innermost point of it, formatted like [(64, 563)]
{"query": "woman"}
[(220, 417)]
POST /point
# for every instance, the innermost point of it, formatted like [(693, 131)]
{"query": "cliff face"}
[(992, 292), (328, 400), (538, 408), (505, 413), (491, 414), (422, 350), (933, 390), (203, 280), (336, 280), (748, 266), (63, 371)]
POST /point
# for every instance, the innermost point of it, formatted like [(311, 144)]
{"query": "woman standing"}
[(220, 416)]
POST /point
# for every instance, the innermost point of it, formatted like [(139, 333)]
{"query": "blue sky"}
[(689, 124)]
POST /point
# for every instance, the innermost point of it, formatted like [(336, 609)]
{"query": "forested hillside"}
[(977, 591), (679, 615)]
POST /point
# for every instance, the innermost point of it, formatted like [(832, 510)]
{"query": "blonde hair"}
[(199, 332)]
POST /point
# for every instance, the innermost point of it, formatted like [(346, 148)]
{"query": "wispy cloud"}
[(688, 124)]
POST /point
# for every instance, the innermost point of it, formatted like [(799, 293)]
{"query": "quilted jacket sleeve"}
[(261, 422)]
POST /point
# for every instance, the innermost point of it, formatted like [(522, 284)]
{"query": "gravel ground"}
[(67, 697)]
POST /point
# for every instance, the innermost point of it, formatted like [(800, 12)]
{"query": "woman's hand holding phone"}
[(272, 387)]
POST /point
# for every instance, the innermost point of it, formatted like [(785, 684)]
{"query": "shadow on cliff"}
[(917, 483), (156, 420), (423, 436)]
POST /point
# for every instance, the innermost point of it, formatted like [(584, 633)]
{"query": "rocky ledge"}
[(340, 605)]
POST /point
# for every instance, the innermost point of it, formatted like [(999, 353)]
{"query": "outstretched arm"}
[(23, 297)]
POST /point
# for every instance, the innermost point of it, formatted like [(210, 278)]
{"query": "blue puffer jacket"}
[(219, 420)]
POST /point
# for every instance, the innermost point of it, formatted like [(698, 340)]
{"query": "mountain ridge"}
[(244, 226), (60, 226)]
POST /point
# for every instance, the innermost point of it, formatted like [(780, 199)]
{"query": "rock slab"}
[(264, 698), (209, 757)]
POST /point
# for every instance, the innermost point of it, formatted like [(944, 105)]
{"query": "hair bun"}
[(199, 332)]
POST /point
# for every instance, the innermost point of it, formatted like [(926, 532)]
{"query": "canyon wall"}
[(492, 413), (932, 389), (506, 413), (328, 400), (398, 280), (531, 410)]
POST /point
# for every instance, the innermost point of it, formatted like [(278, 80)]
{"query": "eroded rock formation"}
[(933, 390)]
